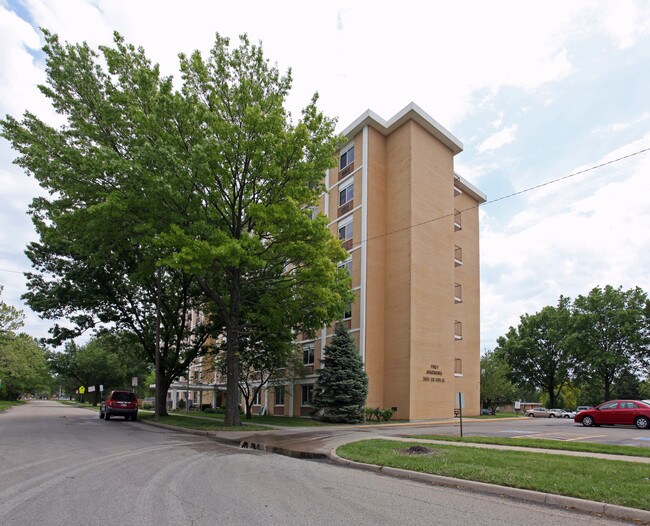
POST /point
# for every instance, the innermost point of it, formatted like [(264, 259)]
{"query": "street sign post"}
[(460, 403)]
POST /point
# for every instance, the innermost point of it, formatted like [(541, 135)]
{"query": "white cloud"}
[(453, 59), (579, 235), (626, 21), (499, 139)]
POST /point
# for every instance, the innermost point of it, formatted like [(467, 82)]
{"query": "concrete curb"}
[(589, 506)]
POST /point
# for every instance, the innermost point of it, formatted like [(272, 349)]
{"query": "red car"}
[(616, 412), (119, 403)]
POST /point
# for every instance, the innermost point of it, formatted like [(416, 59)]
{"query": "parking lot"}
[(550, 429)]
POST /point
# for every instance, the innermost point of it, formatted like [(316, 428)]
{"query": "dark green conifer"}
[(343, 383)]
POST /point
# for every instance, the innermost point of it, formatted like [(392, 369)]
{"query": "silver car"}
[(542, 412)]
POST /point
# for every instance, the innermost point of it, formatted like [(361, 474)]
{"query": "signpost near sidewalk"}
[(460, 403)]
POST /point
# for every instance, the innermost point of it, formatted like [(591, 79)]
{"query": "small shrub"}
[(181, 404), (378, 414), (147, 406)]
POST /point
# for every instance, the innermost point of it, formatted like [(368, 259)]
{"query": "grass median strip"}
[(202, 424), (283, 421), (587, 447), (611, 481), (6, 405)]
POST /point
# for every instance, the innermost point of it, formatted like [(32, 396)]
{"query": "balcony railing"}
[(457, 188), (458, 256), (457, 220), (458, 293)]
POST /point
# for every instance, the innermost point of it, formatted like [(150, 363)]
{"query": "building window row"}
[(458, 330), (279, 395), (308, 354), (346, 194), (347, 158), (307, 394)]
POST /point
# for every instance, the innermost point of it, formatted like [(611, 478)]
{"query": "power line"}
[(13, 271), (508, 196)]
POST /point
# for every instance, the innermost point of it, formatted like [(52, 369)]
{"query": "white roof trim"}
[(468, 187), (410, 111)]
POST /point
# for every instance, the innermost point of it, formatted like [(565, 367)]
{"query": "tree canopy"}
[(599, 343), (496, 388), (538, 350), (204, 189), (22, 360), (612, 336)]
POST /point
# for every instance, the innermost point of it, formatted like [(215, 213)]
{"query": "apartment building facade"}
[(410, 226)]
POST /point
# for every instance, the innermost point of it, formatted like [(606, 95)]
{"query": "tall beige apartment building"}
[(410, 226)]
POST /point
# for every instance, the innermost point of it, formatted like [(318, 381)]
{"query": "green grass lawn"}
[(284, 421), (199, 423), (589, 447), (501, 415), (612, 481), (4, 404)]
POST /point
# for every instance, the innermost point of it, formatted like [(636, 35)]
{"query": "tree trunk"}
[(162, 386), (232, 361), (232, 389)]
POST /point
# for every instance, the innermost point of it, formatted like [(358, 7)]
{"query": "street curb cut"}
[(608, 510)]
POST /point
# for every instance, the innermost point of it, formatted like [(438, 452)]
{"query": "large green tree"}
[(109, 359), (23, 367), (115, 177), (342, 386), (211, 184), (539, 350), (248, 236), (11, 318), (613, 335), (496, 388)]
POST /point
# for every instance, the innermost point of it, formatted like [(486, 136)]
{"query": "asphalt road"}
[(64, 466)]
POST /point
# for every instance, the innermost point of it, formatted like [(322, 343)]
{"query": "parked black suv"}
[(119, 403)]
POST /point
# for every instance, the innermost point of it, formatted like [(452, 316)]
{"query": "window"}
[(611, 405), (458, 293), (628, 405), (347, 266), (458, 367), (458, 256), (348, 312), (257, 399), (308, 354), (345, 231), (314, 211), (457, 220), (346, 194), (458, 330), (347, 158), (279, 395), (307, 394)]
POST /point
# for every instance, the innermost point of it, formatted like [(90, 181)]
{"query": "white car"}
[(569, 414)]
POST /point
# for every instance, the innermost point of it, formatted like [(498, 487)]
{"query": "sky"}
[(535, 91)]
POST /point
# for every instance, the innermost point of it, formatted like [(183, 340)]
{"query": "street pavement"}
[(62, 465)]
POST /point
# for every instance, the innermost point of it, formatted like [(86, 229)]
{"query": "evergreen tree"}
[(342, 383)]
